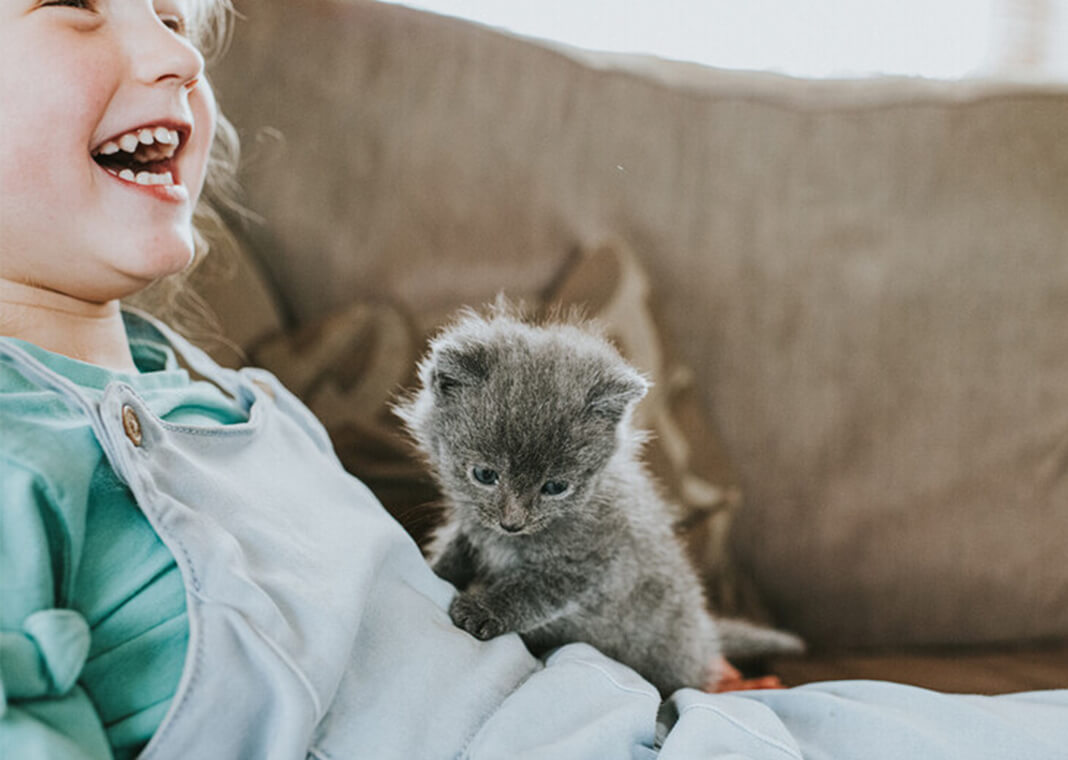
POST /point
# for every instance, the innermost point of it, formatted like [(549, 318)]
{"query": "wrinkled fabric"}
[(46, 657), (873, 720), (317, 630)]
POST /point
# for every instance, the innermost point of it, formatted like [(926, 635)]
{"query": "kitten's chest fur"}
[(630, 592)]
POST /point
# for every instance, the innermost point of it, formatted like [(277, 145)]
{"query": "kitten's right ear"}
[(456, 367), (612, 395)]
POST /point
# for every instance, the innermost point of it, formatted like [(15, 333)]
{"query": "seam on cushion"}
[(319, 753), (747, 729)]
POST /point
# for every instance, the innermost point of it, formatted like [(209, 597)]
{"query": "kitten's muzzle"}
[(510, 526)]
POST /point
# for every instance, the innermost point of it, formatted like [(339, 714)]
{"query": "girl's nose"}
[(157, 55)]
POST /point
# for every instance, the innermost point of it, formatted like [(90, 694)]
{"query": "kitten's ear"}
[(455, 367), (611, 396)]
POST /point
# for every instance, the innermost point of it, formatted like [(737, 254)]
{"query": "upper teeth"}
[(166, 140)]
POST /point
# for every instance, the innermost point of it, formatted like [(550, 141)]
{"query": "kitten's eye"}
[(485, 476), (554, 487)]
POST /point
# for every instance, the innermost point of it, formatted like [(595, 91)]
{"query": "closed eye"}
[(175, 22)]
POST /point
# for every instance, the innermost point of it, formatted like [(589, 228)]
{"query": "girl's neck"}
[(89, 332)]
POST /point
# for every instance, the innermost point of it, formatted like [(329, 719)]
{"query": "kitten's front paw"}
[(475, 617)]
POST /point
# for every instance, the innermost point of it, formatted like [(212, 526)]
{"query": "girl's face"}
[(82, 83)]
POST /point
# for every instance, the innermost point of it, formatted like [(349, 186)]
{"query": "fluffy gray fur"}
[(507, 415)]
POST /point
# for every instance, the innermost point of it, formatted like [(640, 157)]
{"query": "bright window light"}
[(942, 39)]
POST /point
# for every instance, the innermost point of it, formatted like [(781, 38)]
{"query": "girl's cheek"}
[(202, 103)]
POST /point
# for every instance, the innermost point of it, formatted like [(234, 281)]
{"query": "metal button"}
[(131, 424)]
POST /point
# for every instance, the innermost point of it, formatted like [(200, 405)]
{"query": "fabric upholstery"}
[(868, 280), (351, 365)]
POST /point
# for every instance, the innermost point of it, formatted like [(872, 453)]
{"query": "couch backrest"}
[(870, 279)]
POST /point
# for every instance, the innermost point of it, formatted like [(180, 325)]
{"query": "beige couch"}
[(866, 282)]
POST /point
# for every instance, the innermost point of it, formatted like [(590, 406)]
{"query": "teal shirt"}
[(71, 537)]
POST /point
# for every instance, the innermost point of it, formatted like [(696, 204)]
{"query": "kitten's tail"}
[(743, 640)]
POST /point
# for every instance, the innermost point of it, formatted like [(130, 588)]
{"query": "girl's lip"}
[(174, 193)]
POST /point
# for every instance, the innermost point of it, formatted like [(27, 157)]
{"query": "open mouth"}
[(144, 156)]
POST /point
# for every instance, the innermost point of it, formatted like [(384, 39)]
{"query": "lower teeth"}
[(144, 178)]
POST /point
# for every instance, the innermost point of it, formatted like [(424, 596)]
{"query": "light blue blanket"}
[(600, 710)]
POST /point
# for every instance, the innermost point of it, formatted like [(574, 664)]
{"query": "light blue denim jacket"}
[(318, 631)]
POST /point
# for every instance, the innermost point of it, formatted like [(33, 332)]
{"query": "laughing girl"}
[(186, 571)]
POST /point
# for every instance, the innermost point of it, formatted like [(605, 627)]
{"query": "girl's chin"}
[(127, 281), (165, 264)]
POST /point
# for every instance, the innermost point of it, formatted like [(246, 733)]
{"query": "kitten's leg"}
[(456, 561), (517, 601)]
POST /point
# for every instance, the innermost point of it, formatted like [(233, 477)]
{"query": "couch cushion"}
[(984, 671), (871, 291)]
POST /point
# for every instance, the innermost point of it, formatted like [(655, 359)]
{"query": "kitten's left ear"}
[(611, 396), (458, 366)]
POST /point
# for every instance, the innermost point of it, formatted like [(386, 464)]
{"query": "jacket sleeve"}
[(43, 647)]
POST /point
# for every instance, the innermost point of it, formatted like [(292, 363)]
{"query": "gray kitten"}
[(554, 529)]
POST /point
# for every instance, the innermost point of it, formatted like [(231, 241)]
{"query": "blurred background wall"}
[(819, 38)]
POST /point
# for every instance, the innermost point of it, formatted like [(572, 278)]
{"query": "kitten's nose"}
[(512, 525), (513, 515)]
